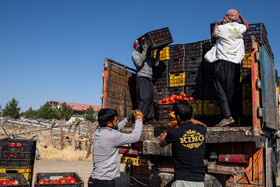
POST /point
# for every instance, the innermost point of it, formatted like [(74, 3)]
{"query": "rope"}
[(138, 181)]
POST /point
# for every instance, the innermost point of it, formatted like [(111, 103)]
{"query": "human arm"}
[(139, 58), (134, 136), (162, 141), (213, 36), (122, 124), (126, 120), (157, 59), (244, 21)]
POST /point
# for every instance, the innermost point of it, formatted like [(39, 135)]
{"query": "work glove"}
[(138, 115), (145, 46), (173, 124), (172, 114), (130, 115)]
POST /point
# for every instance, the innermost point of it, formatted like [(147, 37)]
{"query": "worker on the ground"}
[(188, 146), (226, 56), (145, 89), (107, 140)]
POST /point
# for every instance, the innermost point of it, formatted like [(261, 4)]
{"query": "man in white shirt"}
[(227, 55)]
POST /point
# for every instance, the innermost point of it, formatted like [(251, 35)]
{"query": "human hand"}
[(138, 115), (172, 114), (146, 45), (173, 124)]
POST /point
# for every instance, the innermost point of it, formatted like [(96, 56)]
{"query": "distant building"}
[(79, 110)]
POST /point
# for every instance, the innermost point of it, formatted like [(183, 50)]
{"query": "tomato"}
[(191, 98), (174, 101), (12, 144), (14, 182), (163, 100), (46, 182), (62, 180), (0, 183), (69, 177), (184, 95), (17, 144), (73, 180), (180, 98), (55, 182), (181, 93), (41, 181), (5, 182), (160, 102)]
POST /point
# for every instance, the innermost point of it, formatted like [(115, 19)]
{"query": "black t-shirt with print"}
[(188, 150)]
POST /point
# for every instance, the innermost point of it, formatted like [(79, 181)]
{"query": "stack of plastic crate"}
[(17, 156), (259, 31)]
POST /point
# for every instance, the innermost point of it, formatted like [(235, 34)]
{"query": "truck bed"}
[(151, 136)]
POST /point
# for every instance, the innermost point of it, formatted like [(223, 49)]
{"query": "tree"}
[(29, 114), (90, 114), (65, 112), (11, 109), (46, 112), (0, 110)]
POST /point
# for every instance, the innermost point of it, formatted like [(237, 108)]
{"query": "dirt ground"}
[(82, 168)]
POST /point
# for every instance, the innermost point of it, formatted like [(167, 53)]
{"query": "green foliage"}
[(29, 114), (11, 109), (46, 112), (91, 115), (65, 112)]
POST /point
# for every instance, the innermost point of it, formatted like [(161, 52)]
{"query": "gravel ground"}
[(82, 168)]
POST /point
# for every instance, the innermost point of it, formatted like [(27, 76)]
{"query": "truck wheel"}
[(214, 180)]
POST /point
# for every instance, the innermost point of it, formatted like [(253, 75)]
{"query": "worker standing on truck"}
[(188, 146), (145, 89), (107, 140), (226, 56)]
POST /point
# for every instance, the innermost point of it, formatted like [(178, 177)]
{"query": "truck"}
[(242, 155)]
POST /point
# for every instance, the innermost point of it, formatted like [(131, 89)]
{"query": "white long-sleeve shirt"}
[(106, 156)]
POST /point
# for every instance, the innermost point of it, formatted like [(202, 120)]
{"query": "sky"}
[(54, 50)]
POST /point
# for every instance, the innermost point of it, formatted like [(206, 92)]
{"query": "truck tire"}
[(214, 180)]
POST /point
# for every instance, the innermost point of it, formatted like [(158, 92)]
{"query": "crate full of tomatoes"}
[(58, 179), (175, 98), (165, 106), (13, 179), (17, 152)]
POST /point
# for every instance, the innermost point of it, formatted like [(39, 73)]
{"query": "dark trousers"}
[(145, 96), (100, 183), (226, 81)]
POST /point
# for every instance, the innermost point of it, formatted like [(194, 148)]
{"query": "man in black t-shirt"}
[(188, 146)]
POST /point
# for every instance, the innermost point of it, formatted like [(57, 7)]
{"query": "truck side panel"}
[(119, 88), (268, 91)]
